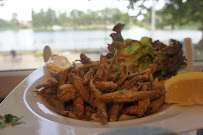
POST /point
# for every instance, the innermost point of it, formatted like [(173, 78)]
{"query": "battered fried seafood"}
[(104, 91)]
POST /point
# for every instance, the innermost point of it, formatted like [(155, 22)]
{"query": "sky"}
[(23, 8)]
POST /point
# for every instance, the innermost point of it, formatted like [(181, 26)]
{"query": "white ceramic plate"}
[(39, 119)]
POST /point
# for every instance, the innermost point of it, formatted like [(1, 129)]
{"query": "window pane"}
[(70, 28)]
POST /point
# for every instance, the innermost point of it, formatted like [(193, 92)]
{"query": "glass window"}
[(72, 27)]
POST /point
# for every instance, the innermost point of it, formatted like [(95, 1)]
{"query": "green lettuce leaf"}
[(144, 52)]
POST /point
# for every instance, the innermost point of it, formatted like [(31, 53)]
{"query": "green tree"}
[(38, 18), (3, 24), (176, 12), (50, 17), (14, 23), (114, 15), (76, 17), (91, 17), (62, 19)]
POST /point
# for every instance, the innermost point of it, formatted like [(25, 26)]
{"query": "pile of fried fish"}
[(104, 91)]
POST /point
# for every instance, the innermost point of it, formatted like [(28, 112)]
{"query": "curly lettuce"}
[(139, 54)]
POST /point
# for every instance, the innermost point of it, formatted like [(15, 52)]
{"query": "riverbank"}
[(31, 61)]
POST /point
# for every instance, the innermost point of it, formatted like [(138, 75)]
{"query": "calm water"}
[(27, 39)]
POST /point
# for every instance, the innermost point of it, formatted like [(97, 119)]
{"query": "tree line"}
[(76, 18), (12, 24), (44, 20)]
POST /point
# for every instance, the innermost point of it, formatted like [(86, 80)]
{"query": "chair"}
[(191, 66)]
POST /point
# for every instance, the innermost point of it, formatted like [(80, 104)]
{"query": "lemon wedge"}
[(185, 89)]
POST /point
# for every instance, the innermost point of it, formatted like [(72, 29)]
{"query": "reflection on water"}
[(27, 39)]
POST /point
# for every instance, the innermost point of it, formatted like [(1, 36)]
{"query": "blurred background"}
[(72, 27)]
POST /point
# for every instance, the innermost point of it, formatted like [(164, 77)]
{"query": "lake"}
[(28, 39)]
